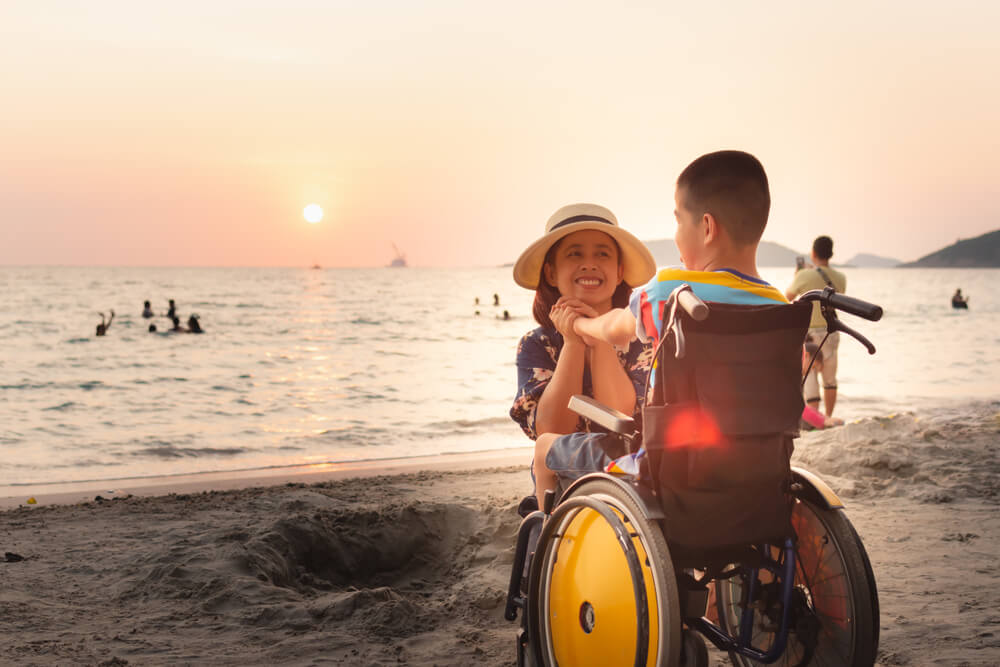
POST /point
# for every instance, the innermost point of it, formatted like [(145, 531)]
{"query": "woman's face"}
[(586, 266)]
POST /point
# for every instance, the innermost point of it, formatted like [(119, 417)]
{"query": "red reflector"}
[(692, 428)]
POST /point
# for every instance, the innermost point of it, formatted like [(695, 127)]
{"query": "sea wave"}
[(170, 451)]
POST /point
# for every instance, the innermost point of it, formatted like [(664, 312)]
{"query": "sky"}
[(195, 133)]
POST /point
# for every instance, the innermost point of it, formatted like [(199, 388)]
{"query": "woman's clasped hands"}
[(564, 314)]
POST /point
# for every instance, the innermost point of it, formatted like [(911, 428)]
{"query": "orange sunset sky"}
[(194, 133)]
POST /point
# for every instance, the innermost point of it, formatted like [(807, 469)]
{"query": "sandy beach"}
[(407, 568)]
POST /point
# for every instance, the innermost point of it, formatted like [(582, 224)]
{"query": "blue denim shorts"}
[(577, 454)]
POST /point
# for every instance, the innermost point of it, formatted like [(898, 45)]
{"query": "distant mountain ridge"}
[(976, 253), (768, 253), (865, 260)]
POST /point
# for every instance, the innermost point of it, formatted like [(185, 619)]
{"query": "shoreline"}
[(65, 493)]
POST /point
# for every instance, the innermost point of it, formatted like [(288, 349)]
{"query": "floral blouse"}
[(537, 354)]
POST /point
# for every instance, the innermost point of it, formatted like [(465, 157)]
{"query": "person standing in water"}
[(819, 276), (959, 301), (147, 310)]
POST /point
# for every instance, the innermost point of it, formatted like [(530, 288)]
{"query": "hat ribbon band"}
[(581, 218)]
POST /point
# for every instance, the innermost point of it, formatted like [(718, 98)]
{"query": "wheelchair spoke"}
[(834, 607)]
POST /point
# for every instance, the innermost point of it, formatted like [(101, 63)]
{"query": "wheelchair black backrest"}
[(719, 422)]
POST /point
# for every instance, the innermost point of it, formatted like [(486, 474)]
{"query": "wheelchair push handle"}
[(831, 302), (849, 304), (690, 302)]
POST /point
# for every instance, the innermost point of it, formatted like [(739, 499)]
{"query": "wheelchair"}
[(622, 570)]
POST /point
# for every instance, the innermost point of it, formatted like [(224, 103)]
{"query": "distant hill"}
[(664, 252), (864, 260), (768, 253), (980, 252)]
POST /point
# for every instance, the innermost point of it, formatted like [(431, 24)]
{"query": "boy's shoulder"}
[(724, 285), (726, 277)]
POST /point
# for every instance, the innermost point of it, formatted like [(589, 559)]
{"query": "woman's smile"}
[(589, 282)]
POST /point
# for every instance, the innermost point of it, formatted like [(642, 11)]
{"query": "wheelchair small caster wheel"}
[(694, 653)]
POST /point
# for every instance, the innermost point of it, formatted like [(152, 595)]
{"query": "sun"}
[(313, 213)]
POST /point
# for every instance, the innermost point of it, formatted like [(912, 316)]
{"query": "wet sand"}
[(410, 568)]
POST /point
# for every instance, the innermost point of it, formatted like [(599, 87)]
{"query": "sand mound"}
[(931, 457), (279, 571)]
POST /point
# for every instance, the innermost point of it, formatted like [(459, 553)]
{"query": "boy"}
[(722, 203)]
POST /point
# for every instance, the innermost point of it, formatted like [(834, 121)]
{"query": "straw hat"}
[(638, 262)]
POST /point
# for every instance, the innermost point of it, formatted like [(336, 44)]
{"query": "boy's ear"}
[(712, 228)]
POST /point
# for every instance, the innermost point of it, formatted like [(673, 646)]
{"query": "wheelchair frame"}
[(806, 486), (735, 636)]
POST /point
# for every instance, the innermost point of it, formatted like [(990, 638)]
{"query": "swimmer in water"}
[(102, 328)]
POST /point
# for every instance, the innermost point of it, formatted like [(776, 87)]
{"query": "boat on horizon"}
[(399, 261)]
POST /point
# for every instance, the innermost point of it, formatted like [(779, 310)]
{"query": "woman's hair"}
[(546, 295)]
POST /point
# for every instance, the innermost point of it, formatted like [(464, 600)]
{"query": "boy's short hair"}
[(732, 186), (823, 247)]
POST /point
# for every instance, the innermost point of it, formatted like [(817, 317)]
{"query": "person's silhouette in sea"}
[(504, 316), (172, 311), (152, 328), (147, 310), (193, 325), (959, 301), (102, 328), (496, 300)]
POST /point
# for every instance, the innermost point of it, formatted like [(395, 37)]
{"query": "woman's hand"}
[(563, 317), (580, 307), (564, 314)]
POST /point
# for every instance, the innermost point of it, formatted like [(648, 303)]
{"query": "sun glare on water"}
[(313, 213)]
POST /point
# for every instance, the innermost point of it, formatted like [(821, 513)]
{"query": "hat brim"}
[(636, 259)]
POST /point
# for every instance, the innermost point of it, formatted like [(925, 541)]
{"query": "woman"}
[(585, 264)]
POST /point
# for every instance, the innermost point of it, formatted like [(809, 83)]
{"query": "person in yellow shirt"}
[(820, 275)]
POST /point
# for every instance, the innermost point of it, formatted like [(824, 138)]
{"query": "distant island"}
[(867, 261), (768, 253), (978, 253)]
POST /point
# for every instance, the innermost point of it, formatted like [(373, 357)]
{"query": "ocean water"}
[(301, 366)]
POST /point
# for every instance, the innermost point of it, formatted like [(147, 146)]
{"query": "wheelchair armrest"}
[(597, 412)]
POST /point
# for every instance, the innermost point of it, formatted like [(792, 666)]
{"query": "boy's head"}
[(730, 187)]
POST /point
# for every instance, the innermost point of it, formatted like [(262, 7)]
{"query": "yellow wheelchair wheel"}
[(835, 601), (602, 590)]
